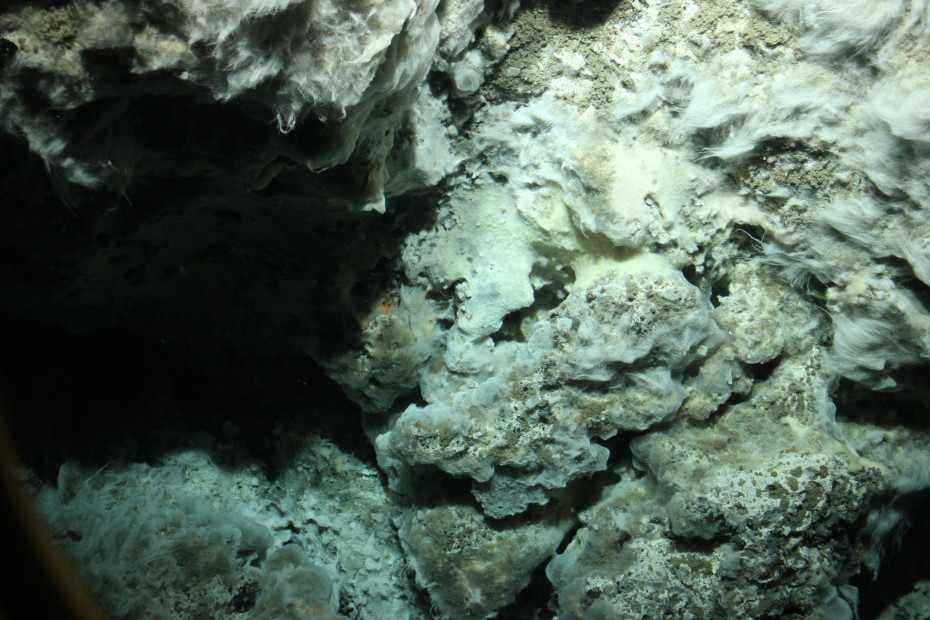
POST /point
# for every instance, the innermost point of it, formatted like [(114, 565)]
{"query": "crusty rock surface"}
[(631, 297)]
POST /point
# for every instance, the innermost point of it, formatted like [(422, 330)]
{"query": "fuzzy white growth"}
[(468, 73), (916, 253), (737, 145), (639, 101), (293, 59), (884, 528), (854, 219), (904, 106), (796, 267), (866, 349), (708, 110), (861, 343), (831, 28), (799, 105), (325, 55), (460, 19), (918, 16), (894, 149)]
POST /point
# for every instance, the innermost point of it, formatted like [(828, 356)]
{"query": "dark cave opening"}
[(124, 395), (584, 15), (533, 602), (905, 561)]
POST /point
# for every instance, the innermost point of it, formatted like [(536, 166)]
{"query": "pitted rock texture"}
[(631, 298)]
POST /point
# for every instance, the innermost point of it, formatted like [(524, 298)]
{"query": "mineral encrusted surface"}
[(630, 300)]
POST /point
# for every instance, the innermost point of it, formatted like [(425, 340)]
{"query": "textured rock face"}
[(632, 297), (227, 148), (521, 431), (450, 546), (348, 70)]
